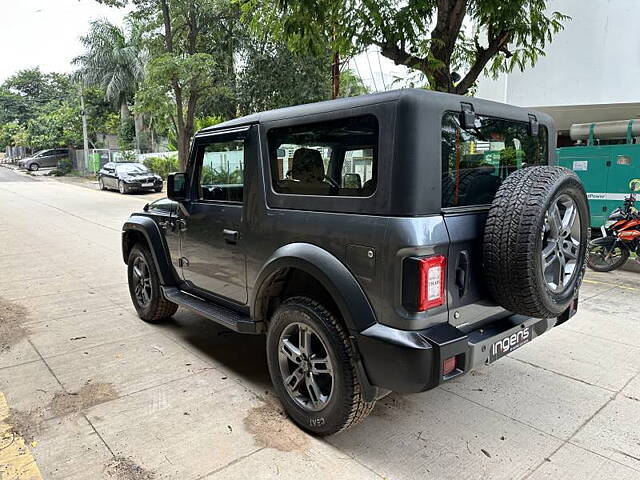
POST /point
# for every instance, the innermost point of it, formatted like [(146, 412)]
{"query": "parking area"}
[(90, 391)]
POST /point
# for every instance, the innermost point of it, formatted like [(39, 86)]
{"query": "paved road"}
[(8, 175), (96, 393)]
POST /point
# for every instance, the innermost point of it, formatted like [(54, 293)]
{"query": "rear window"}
[(476, 161), (334, 158)]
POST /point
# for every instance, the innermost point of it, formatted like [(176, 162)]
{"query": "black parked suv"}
[(388, 242)]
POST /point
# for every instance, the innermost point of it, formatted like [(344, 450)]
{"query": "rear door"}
[(474, 164)]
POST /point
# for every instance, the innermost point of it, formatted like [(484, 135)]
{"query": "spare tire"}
[(535, 241)]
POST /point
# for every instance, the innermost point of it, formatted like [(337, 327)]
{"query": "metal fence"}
[(97, 157)]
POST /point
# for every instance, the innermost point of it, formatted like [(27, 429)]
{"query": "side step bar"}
[(222, 315)]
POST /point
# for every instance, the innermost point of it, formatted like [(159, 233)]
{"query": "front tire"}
[(101, 184), (121, 187), (144, 287), (600, 259), (34, 167), (312, 366)]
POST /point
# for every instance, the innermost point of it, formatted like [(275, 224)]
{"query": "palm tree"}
[(114, 59)]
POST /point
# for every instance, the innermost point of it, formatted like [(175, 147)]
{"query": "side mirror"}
[(176, 187)]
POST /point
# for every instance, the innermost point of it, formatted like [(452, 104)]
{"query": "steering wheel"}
[(331, 181)]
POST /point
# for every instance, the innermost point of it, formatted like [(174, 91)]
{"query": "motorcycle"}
[(620, 237)]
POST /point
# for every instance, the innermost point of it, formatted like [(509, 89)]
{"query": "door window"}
[(334, 158), (476, 161), (221, 171)]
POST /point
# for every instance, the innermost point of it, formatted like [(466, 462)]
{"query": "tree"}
[(310, 28), (60, 127), (453, 41), (24, 94), (189, 58), (114, 60), (351, 84), (274, 77)]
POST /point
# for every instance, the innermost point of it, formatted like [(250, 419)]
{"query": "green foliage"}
[(128, 156), (27, 93), (126, 134), (309, 27), (351, 85), (114, 60), (431, 37), (162, 165), (274, 77), (8, 133), (214, 176), (64, 167), (59, 127)]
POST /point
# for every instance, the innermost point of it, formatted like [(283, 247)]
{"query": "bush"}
[(162, 165), (64, 167)]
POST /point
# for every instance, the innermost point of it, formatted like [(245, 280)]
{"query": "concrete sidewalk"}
[(96, 393)]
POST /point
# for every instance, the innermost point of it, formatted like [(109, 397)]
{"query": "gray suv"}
[(44, 159), (387, 242)]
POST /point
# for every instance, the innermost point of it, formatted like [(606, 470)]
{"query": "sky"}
[(46, 33)]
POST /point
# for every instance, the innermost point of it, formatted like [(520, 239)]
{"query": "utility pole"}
[(84, 127)]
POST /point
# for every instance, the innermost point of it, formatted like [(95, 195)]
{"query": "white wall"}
[(594, 60)]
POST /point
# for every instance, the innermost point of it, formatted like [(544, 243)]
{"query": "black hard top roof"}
[(409, 95)]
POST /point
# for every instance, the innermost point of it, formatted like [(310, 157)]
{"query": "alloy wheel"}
[(142, 281), (561, 237), (305, 366)]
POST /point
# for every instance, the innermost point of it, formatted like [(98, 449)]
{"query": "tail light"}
[(431, 272), (423, 281)]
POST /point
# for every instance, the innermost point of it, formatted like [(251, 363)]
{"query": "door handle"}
[(230, 236), (462, 273)]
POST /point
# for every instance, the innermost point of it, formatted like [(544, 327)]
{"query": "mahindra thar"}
[(386, 242)]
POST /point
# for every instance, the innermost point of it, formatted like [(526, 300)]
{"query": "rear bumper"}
[(412, 361)]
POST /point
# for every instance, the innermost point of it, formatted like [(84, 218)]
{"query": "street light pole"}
[(84, 127)]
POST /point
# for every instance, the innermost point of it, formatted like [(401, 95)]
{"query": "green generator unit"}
[(609, 172)]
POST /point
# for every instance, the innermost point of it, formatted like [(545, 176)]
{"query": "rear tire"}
[(535, 241), (337, 403), (146, 296)]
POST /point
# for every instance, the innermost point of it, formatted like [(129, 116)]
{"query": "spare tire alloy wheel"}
[(535, 241), (561, 238)]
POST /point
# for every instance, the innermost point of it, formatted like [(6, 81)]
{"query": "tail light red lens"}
[(431, 275)]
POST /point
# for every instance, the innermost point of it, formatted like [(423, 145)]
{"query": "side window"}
[(335, 158), (221, 170), (476, 161)]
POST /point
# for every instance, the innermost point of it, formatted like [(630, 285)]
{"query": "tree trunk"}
[(183, 148), (125, 113), (140, 132), (335, 76)]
